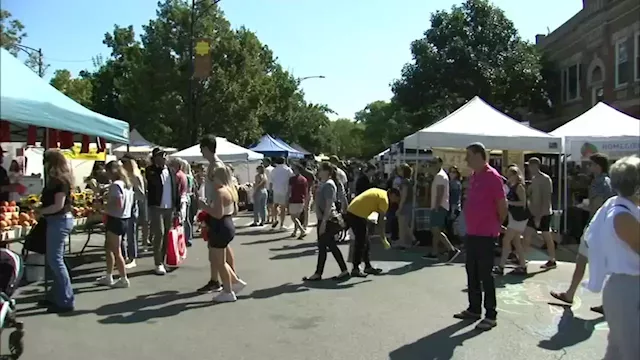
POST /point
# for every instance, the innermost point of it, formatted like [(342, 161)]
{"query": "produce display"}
[(11, 216)]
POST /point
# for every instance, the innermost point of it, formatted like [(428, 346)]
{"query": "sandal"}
[(486, 324), (561, 296), (314, 277), (467, 315), (598, 309)]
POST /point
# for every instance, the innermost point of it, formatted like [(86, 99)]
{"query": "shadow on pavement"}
[(438, 345), (291, 288), (571, 331), (305, 245), (293, 255), (266, 241)]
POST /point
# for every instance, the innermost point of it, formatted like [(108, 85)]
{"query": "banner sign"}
[(93, 154), (202, 60), (614, 148)]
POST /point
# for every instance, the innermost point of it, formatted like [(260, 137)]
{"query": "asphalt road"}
[(405, 314)]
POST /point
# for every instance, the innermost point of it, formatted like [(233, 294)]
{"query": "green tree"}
[(384, 123), (473, 49), (346, 138), (11, 35), (79, 89)]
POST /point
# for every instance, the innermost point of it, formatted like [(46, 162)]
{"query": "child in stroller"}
[(11, 269)]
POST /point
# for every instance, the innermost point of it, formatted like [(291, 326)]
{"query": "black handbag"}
[(36, 239)]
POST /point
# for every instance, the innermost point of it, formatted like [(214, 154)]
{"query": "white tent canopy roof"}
[(600, 121), (226, 150), (477, 121), (139, 145)]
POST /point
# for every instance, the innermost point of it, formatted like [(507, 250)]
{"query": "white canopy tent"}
[(477, 121), (244, 160), (139, 145), (600, 129)]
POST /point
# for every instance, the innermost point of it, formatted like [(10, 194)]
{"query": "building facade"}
[(597, 55)]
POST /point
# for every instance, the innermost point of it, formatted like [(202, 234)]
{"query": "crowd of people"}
[(492, 208)]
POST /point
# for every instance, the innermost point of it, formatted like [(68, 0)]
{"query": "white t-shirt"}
[(267, 173), (441, 178), (279, 177), (117, 190), (166, 200), (342, 177)]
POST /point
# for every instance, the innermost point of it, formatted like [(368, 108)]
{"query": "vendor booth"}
[(244, 161), (477, 121), (270, 147), (601, 129)]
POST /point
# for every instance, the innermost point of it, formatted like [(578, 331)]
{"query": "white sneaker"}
[(106, 280), (122, 283), (131, 264), (239, 286), (160, 270), (225, 297)]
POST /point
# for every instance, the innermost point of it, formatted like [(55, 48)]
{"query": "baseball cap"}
[(533, 161), (157, 152)]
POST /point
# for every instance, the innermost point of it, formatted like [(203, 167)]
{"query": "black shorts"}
[(116, 225), (545, 223), (220, 231)]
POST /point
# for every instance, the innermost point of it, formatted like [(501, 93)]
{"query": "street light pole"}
[(310, 77), (29, 50)]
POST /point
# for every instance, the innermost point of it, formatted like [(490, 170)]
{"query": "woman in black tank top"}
[(517, 222)]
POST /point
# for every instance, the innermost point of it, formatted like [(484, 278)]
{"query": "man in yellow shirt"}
[(361, 207)]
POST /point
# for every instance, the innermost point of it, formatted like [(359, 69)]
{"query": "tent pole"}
[(566, 186), (415, 184)]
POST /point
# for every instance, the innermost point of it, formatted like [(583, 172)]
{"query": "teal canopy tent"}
[(26, 99)]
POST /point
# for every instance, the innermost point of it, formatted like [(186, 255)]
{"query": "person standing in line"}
[(137, 212), (365, 180), (311, 183), (164, 204), (191, 204), (271, 214), (220, 210), (599, 192), (440, 211), (56, 209), (341, 175), (405, 209), (298, 190), (280, 186), (540, 195), (485, 209), (613, 245), (120, 199), (455, 202), (143, 215), (208, 147), (259, 197), (327, 223)]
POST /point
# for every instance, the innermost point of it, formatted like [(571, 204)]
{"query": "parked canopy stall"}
[(268, 146), (28, 100), (138, 145), (243, 160)]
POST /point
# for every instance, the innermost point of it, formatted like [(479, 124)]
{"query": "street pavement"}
[(405, 314)]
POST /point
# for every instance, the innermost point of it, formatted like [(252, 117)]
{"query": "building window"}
[(622, 63), (571, 83), (637, 56)]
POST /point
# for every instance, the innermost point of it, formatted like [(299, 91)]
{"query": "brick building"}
[(597, 54)]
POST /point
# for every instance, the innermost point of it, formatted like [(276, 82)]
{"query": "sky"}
[(359, 46)]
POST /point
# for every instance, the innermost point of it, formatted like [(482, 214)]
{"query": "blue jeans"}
[(260, 206), (58, 230), (130, 247)]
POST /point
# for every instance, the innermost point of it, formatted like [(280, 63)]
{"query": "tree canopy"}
[(471, 50)]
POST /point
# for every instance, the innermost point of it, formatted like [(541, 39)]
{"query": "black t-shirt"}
[(4, 180), (363, 184), (48, 195)]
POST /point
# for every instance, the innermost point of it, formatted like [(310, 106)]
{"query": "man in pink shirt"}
[(485, 209)]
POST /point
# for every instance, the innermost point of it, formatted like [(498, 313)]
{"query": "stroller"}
[(11, 269)]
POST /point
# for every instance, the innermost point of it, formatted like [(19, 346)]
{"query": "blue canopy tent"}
[(289, 146), (268, 146), (301, 149), (26, 99)]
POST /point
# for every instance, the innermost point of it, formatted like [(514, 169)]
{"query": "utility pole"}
[(29, 51)]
